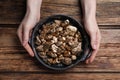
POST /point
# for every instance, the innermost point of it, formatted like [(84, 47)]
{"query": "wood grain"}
[(17, 52), (12, 54), (9, 37), (15, 63), (27, 64), (108, 12), (62, 76)]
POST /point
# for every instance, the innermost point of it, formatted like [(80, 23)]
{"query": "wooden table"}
[(15, 63)]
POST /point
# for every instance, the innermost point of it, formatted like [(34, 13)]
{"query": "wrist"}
[(34, 6), (33, 11), (89, 18), (33, 14)]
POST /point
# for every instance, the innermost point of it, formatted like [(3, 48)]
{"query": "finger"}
[(19, 33), (29, 50), (25, 42), (25, 37), (87, 61), (92, 57), (94, 52), (99, 39), (93, 40)]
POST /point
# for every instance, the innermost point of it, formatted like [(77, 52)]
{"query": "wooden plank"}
[(9, 38), (101, 64), (10, 43), (60, 76), (11, 11), (110, 35), (14, 58), (15, 63), (18, 52), (107, 11)]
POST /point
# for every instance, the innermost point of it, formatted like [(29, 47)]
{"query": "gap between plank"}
[(100, 26)]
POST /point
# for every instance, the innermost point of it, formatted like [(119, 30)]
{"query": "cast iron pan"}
[(85, 42)]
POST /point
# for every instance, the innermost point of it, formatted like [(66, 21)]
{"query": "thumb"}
[(93, 41), (25, 36)]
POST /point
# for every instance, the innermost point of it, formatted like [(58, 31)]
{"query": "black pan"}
[(85, 42)]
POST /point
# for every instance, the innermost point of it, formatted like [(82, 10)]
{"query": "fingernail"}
[(94, 46), (32, 55)]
